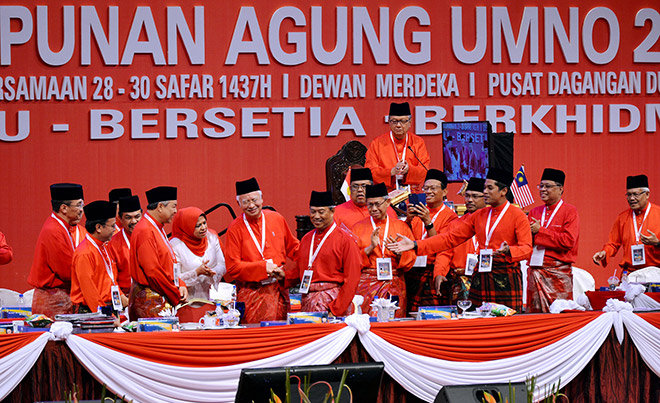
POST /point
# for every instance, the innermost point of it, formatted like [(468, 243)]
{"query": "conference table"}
[(594, 356)]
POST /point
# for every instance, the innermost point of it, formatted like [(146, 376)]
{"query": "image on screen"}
[(465, 149)]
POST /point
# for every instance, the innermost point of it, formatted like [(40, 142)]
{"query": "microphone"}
[(417, 158)]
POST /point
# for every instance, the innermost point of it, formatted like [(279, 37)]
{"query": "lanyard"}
[(73, 245), (261, 247), (387, 228), (312, 256), (545, 210), (405, 147), (106, 262), (634, 220), (162, 235), (475, 242), (426, 234), (128, 243), (489, 232)]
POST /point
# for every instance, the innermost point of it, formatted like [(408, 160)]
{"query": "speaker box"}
[(475, 393)]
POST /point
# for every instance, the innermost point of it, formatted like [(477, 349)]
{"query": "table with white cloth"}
[(599, 357)]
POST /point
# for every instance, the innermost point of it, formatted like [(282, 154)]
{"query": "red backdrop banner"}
[(201, 94)]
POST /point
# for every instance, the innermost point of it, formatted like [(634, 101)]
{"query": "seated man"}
[(331, 258), (425, 221), (382, 270), (398, 158), (355, 210), (635, 229), (93, 272)]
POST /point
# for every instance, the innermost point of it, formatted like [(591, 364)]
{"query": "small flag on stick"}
[(520, 189)]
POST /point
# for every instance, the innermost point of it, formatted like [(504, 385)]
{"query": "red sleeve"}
[(352, 265), (416, 172), (379, 172), (407, 259), (457, 233), (6, 251), (614, 241), (237, 268), (157, 279), (442, 263), (562, 238), (83, 268), (523, 248), (58, 254)]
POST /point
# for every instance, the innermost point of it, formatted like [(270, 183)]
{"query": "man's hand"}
[(403, 169), (124, 300), (183, 292), (278, 273), (420, 211), (438, 282), (270, 267), (375, 238), (204, 270), (650, 239), (535, 225), (403, 244), (390, 240), (599, 257), (504, 249)]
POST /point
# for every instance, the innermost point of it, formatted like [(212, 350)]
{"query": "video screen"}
[(465, 149)]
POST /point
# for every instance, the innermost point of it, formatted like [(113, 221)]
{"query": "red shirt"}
[(120, 250), (152, 262), (337, 261), (51, 267), (445, 216), (381, 158), (90, 282), (6, 251), (622, 235), (460, 252), (512, 228), (242, 258), (363, 230), (560, 236), (349, 214)]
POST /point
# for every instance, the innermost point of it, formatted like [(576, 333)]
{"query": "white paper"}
[(384, 268)]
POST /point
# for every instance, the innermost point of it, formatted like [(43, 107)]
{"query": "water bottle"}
[(21, 300), (624, 277)]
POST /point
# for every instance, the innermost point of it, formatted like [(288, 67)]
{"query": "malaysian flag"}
[(520, 189)]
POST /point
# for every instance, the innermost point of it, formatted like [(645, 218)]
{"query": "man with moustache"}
[(258, 243), (113, 196), (94, 273), (504, 240), (382, 270), (130, 213), (425, 221), (555, 229), (329, 256), (154, 269), (398, 158), (635, 230), (50, 274)]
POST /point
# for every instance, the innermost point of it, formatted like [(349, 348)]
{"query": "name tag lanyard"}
[(104, 257), (261, 247), (426, 234), (638, 232), (73, 245), (489, 231), (128, 243), (545, 210), (312, 253), (387, 228), (175, 268)]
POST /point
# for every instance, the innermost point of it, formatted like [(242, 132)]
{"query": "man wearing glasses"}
[(635, 230), (555, 230), (398, 158), (355, 210), (50, 274), (258, 243), (382, 270)]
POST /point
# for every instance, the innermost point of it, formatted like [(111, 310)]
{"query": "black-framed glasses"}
[(376, 204), (542, 186), (396, 122), (635, 196)]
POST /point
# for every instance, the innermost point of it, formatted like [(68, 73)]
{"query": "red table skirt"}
[(598, 299)]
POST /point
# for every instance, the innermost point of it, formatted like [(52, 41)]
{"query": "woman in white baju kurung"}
[(198, 251)]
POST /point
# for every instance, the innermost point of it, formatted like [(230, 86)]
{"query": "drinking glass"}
[(613, 282), (463, 304)]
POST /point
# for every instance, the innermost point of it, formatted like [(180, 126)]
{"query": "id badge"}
[(269, 280), (638, 255), (384, 268), (485, 260), (420, 261), (176, 269), (537, 256), (471, 263), (306, 281), (116, 299)]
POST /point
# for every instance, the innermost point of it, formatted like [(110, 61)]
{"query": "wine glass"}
[(463, 304)]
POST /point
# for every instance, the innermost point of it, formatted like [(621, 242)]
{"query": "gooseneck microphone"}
[(417, 158)]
